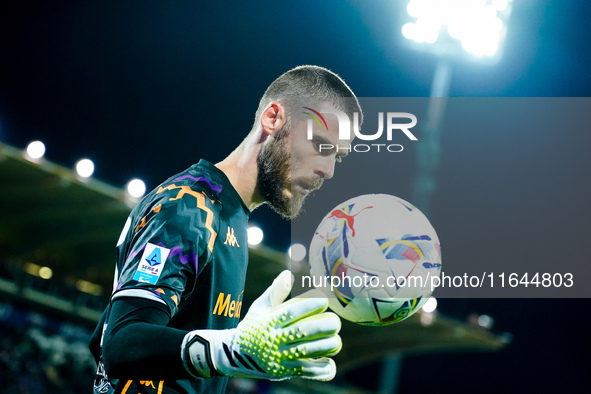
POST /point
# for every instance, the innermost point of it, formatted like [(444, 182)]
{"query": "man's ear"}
[(273, 119)]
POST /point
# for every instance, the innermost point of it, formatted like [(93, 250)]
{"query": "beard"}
[(274, 177)]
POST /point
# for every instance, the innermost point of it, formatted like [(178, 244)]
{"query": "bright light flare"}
[(36, 149), (409, 31), (89, 287), (297, 252), (85, 168), (500, 5), (37, 270), (255, 235), (476, 24), (136, 188), (430, 305), (485, 321), (45, 273)]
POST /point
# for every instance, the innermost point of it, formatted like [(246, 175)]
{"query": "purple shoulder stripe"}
[(134, 253), (174, 251), (215, 188), (183, 258)]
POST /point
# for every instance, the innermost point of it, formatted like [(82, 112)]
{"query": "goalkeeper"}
[(173, 322)]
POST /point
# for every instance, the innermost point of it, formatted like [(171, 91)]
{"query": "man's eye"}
[(324, 151)]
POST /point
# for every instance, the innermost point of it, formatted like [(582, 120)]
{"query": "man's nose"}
[(325, 167)]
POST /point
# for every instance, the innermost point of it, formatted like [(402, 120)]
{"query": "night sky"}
[(147, 88)]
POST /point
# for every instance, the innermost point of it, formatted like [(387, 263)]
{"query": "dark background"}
[(146, 88)]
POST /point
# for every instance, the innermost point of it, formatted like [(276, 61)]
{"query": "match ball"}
[(374, 256)]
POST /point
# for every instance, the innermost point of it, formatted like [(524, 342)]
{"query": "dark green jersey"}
[(185, 246)]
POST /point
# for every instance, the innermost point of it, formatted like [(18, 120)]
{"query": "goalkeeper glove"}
[(275, 341)]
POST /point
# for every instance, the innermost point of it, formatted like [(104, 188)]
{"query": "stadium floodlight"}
[(450, 29), (45, 273), (89, 287), (444, 26), (136, 188), (430, 305), (485, 321), (255, 235), (85, 168), (37, 270), (297, 252), (35, 150)]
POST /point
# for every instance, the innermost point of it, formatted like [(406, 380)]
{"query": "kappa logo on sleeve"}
[(151, 264)]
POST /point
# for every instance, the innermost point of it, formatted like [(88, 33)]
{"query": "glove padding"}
[(275, 341)]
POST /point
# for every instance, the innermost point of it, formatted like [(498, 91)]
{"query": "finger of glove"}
[(280, 288), (276, 293), (298, 308), (322, 369), (323, 347), (315, 326)]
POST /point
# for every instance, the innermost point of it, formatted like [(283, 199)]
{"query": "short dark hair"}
[(309, 86)]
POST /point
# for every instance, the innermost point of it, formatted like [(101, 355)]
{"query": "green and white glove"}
[(275, 341)]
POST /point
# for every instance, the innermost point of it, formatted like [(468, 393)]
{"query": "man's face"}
[(291, 166)]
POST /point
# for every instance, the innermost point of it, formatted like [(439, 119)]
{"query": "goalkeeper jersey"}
[(184, 246)]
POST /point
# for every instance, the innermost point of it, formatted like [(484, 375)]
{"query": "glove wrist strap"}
[(196, 355)]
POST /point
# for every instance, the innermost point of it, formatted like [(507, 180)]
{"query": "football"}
[(374, 256)]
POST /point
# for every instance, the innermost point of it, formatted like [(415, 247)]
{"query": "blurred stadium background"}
[(144, 89)]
